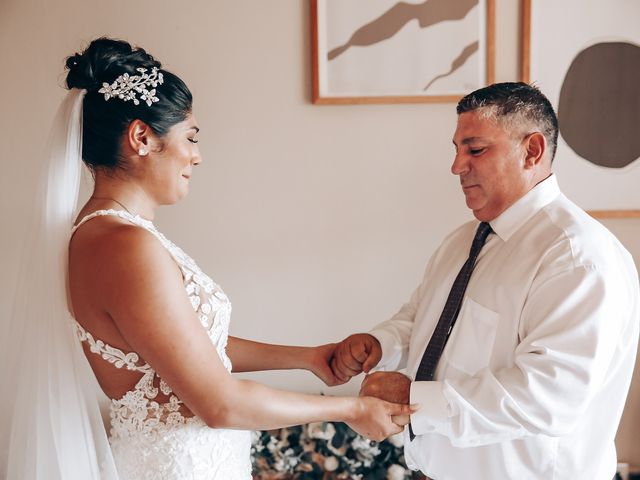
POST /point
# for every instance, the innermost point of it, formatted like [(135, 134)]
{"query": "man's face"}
[(490, 164)]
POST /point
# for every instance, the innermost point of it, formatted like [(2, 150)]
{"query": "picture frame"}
[(598, 163), (373, 52)]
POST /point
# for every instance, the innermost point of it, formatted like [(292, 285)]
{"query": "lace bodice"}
[(151, 409)]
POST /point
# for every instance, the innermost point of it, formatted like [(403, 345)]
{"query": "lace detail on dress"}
[(110, 354), (150, 436)]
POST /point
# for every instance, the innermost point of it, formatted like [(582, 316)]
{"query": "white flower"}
[(361, 443), (272, 446), (395, 472), (322, 431), (314, 429), (126, 81), (366, 450), (286, 462), (149, 96), (107, 90), (330, 464), (279, 465), (397, 440)]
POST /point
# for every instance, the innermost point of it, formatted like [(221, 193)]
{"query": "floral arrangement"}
[(327, 450)]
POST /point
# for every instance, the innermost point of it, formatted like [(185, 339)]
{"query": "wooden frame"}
[(525, 41), (485, 44), (528, 74)]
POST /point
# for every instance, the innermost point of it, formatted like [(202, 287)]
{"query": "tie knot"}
[(483, 231)]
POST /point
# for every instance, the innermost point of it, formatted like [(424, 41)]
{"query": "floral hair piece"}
[(126, 86)]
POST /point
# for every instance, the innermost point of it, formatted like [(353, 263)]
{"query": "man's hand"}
[(355, 354), (393, 387)]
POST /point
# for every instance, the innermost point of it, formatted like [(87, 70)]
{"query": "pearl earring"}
[(142, 152)]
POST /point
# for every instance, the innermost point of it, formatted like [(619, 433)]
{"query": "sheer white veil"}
[(50, 422)]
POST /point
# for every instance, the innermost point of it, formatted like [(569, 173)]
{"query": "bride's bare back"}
[(139, 301)]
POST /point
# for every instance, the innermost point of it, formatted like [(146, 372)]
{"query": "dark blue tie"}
[(433, 352)]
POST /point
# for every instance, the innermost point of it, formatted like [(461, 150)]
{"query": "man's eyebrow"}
[(468, 140), (194, 128)]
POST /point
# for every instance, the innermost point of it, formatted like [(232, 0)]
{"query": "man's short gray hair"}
[(518, 107)]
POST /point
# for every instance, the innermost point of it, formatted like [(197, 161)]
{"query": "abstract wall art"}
[(585, 56), (389, 51)]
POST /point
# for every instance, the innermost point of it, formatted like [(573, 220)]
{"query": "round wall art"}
[(585, 56)]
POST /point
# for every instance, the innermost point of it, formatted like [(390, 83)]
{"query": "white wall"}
[(316, 220)]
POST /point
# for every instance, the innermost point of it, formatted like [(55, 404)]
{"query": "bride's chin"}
[(173, 200)]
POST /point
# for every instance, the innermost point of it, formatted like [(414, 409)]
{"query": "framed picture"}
[(391, 51), (585, 56)]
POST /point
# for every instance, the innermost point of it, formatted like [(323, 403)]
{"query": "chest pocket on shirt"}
[(471, 344)]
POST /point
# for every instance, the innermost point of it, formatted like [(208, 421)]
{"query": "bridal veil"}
[(50, 422)]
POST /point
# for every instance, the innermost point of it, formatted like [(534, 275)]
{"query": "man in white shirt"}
[(533, 378)]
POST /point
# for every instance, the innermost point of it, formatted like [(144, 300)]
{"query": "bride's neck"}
[(125, 194)]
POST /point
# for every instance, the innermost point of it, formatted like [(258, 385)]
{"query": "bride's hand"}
[(374, 418), (319, 362), (401, 420)]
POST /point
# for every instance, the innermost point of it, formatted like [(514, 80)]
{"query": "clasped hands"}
[(360, 353)]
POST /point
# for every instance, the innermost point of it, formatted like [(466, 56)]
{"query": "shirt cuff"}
[(390, 352), (434, 412)]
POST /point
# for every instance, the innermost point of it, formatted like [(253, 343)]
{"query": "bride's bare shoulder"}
[(109, 242)]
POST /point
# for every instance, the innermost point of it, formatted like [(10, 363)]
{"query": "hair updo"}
[(105, 121)]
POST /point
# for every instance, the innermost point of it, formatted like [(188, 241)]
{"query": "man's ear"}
[(139, 137), (535, 145)]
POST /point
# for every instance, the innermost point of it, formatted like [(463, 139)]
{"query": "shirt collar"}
[(509, 221)]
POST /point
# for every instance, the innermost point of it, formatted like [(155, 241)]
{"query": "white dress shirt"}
[(533, 380)]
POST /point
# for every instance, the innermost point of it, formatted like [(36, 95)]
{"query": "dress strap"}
[(135, 219)]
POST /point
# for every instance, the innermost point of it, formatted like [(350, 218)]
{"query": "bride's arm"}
[(250, 356), (142, 291)]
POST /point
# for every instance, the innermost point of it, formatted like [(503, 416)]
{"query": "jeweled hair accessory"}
[(126, 86)]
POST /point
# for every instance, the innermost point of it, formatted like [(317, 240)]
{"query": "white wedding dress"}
[(150, 438)]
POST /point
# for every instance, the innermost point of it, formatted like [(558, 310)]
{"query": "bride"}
[(152, 325)]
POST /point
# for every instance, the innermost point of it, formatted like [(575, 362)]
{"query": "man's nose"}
[(459, 165)]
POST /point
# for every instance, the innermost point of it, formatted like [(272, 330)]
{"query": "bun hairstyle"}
[(104, 122)]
